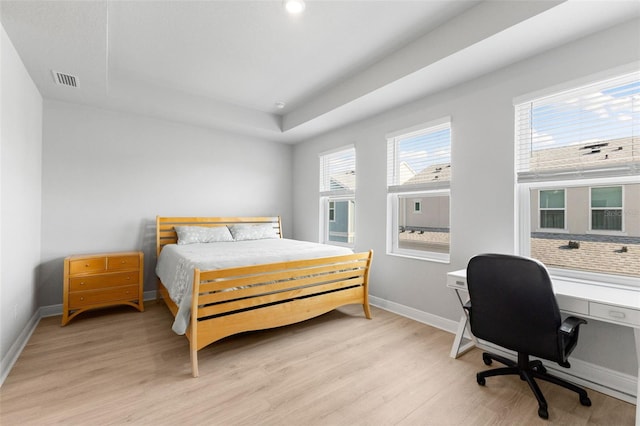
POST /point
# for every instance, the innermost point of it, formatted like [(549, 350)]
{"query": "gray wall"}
[(482, 169), (106, 175), (20, 197)]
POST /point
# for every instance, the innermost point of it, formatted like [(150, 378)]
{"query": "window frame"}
[(325, 230), (328, 196), (396, 190), (617, 175), (393, 207), (523, 225)]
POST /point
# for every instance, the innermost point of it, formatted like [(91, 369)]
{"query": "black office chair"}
[(512, 305)]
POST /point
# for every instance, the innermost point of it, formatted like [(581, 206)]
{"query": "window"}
[(332, 211), (606, 208), (578, 166), (337, 196), (418, 177), (552, 208)]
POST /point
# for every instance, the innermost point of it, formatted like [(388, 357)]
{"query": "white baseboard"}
[(16, 349), (582, 373), (415, 314), (610, 382), (53, 310), (9, 360)]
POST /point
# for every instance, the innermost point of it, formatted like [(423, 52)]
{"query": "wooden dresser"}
[(100, 280)]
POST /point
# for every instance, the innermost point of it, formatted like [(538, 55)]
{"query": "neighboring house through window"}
[(418, 181), (578, 168), (337, 196)]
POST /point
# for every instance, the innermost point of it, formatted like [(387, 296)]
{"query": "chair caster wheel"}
[(486, 359), (481, 380), (585, 401), (541, 369), (543, 413)]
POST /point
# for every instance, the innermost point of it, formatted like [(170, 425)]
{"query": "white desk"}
[(615, 304)]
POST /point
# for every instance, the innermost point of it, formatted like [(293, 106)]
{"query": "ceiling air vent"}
[(63, 79)]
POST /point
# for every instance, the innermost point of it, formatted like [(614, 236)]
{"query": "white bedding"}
[(176, 263)]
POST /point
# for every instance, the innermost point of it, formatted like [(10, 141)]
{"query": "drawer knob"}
[(123, 262), (81, 297), (86, 265), (617, 314), (82, 283)]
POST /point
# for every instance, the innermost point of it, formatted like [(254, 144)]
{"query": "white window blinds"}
[(590, 131), (420, 159), (338, 172)]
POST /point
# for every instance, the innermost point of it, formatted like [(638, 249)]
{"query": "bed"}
[(216, 287)]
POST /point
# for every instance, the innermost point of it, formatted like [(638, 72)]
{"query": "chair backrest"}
[(513, 304)]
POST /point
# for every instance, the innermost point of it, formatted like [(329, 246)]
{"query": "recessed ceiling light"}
[(280, 104), (294, 6)]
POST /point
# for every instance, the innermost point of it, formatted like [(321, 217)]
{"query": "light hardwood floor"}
[(120, 366)]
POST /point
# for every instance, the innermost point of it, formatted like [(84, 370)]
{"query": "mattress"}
[(176, 264)]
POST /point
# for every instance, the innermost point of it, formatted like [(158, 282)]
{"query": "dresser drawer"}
[(93, 282), (115, 263), (614, 313), (97, 297), (81, 266)]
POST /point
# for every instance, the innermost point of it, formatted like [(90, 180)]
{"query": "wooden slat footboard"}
[(234, 300)]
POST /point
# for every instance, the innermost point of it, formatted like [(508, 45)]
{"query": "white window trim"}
[(395, 191), (579, 82), (565, 229), (418, 128), (392, 227), (523, 227)]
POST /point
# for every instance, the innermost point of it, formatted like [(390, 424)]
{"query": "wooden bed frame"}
[(234, 300)]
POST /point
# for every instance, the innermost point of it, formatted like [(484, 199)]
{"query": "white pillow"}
[(262, 231), (202, 234)]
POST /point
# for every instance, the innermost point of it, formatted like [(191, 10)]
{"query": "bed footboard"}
[(234, 300)]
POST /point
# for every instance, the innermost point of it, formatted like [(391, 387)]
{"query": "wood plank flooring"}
[(119, 366)]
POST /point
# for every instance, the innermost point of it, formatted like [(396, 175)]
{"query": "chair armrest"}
[(568, 338), (570, 325)]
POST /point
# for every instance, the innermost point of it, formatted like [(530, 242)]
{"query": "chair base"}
[(528, 370)]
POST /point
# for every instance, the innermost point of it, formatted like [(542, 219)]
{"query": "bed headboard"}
[(166, 233)]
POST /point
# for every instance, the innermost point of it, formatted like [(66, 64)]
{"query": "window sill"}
[(552, 231), (612, 233), (594, 278), (445, 260), (333, 243)]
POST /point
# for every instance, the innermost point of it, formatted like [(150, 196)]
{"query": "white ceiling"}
[(224, 64)]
